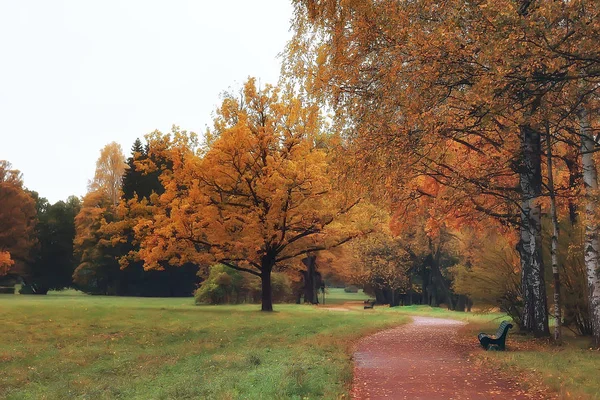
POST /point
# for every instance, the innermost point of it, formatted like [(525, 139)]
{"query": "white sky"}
[(78, 74)]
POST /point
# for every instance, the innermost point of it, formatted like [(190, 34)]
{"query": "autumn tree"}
[(105, 236), (98, 267), (17, 219), (110, 168), (260, 196), (5, 262), (417, 77), (386, 268), (486, 76)]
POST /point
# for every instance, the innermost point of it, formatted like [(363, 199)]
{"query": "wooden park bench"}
[(369, 303), (498, 342)]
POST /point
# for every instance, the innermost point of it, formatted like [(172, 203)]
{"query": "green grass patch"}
[(77, 346), (338, 296), (439, 312), (571, 369)]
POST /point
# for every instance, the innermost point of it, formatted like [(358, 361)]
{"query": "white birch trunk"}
[(591, 245), (534, 286), (554, 242), (525, 258)]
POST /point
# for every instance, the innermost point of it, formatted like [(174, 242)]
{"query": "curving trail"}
[(425, 360)]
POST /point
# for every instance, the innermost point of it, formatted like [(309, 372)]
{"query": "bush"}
[(351, 289), (492, 276), (225, 285)]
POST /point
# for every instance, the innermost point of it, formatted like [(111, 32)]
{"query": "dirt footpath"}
[(425, 360)]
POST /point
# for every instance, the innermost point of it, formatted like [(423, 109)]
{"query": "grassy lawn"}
[(338, 296), (76, 346), (69, 345)]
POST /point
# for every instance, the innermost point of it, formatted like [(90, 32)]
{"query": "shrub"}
[(351, 289), (225, 285)]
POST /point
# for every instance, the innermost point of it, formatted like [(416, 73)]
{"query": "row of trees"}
[(484, 110), (36, 240)]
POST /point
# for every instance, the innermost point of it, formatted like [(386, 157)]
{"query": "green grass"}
[(439, 312), (70, 345), (571, 369), (338, 296), (67, 345)]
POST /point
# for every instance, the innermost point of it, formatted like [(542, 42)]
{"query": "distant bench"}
[(498, 342), (369, 303)]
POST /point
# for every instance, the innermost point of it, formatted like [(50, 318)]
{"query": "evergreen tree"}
[(53, 262)]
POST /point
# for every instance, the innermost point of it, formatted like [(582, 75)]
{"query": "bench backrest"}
[(503, 329)]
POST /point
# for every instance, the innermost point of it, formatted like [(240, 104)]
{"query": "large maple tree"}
[(260, 195)]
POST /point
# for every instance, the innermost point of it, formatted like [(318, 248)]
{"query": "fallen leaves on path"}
[(427, 359)]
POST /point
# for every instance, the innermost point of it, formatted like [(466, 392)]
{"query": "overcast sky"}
[(76, 75)]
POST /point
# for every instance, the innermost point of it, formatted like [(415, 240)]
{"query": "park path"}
[(426, 360)]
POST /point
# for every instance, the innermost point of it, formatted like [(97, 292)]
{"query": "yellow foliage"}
[(260, 194), (5, 262)]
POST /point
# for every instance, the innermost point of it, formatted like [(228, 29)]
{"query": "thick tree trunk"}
[(554, 243), (267, 292), (531, 186), (379, 296), (591, 245), (311, 280)]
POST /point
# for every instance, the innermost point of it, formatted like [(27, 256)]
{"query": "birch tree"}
[(110, 168)]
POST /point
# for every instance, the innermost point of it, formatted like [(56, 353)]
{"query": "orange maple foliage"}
[(17, 222), (260, 195), (5, 262)]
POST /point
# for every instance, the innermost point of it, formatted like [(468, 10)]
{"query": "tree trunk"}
[(379, 296), (408, 301), (311, 280), (574, 174), (524, 256), (424, 287), (591, 245), (531, 186), (554, 243), (265, 280)]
